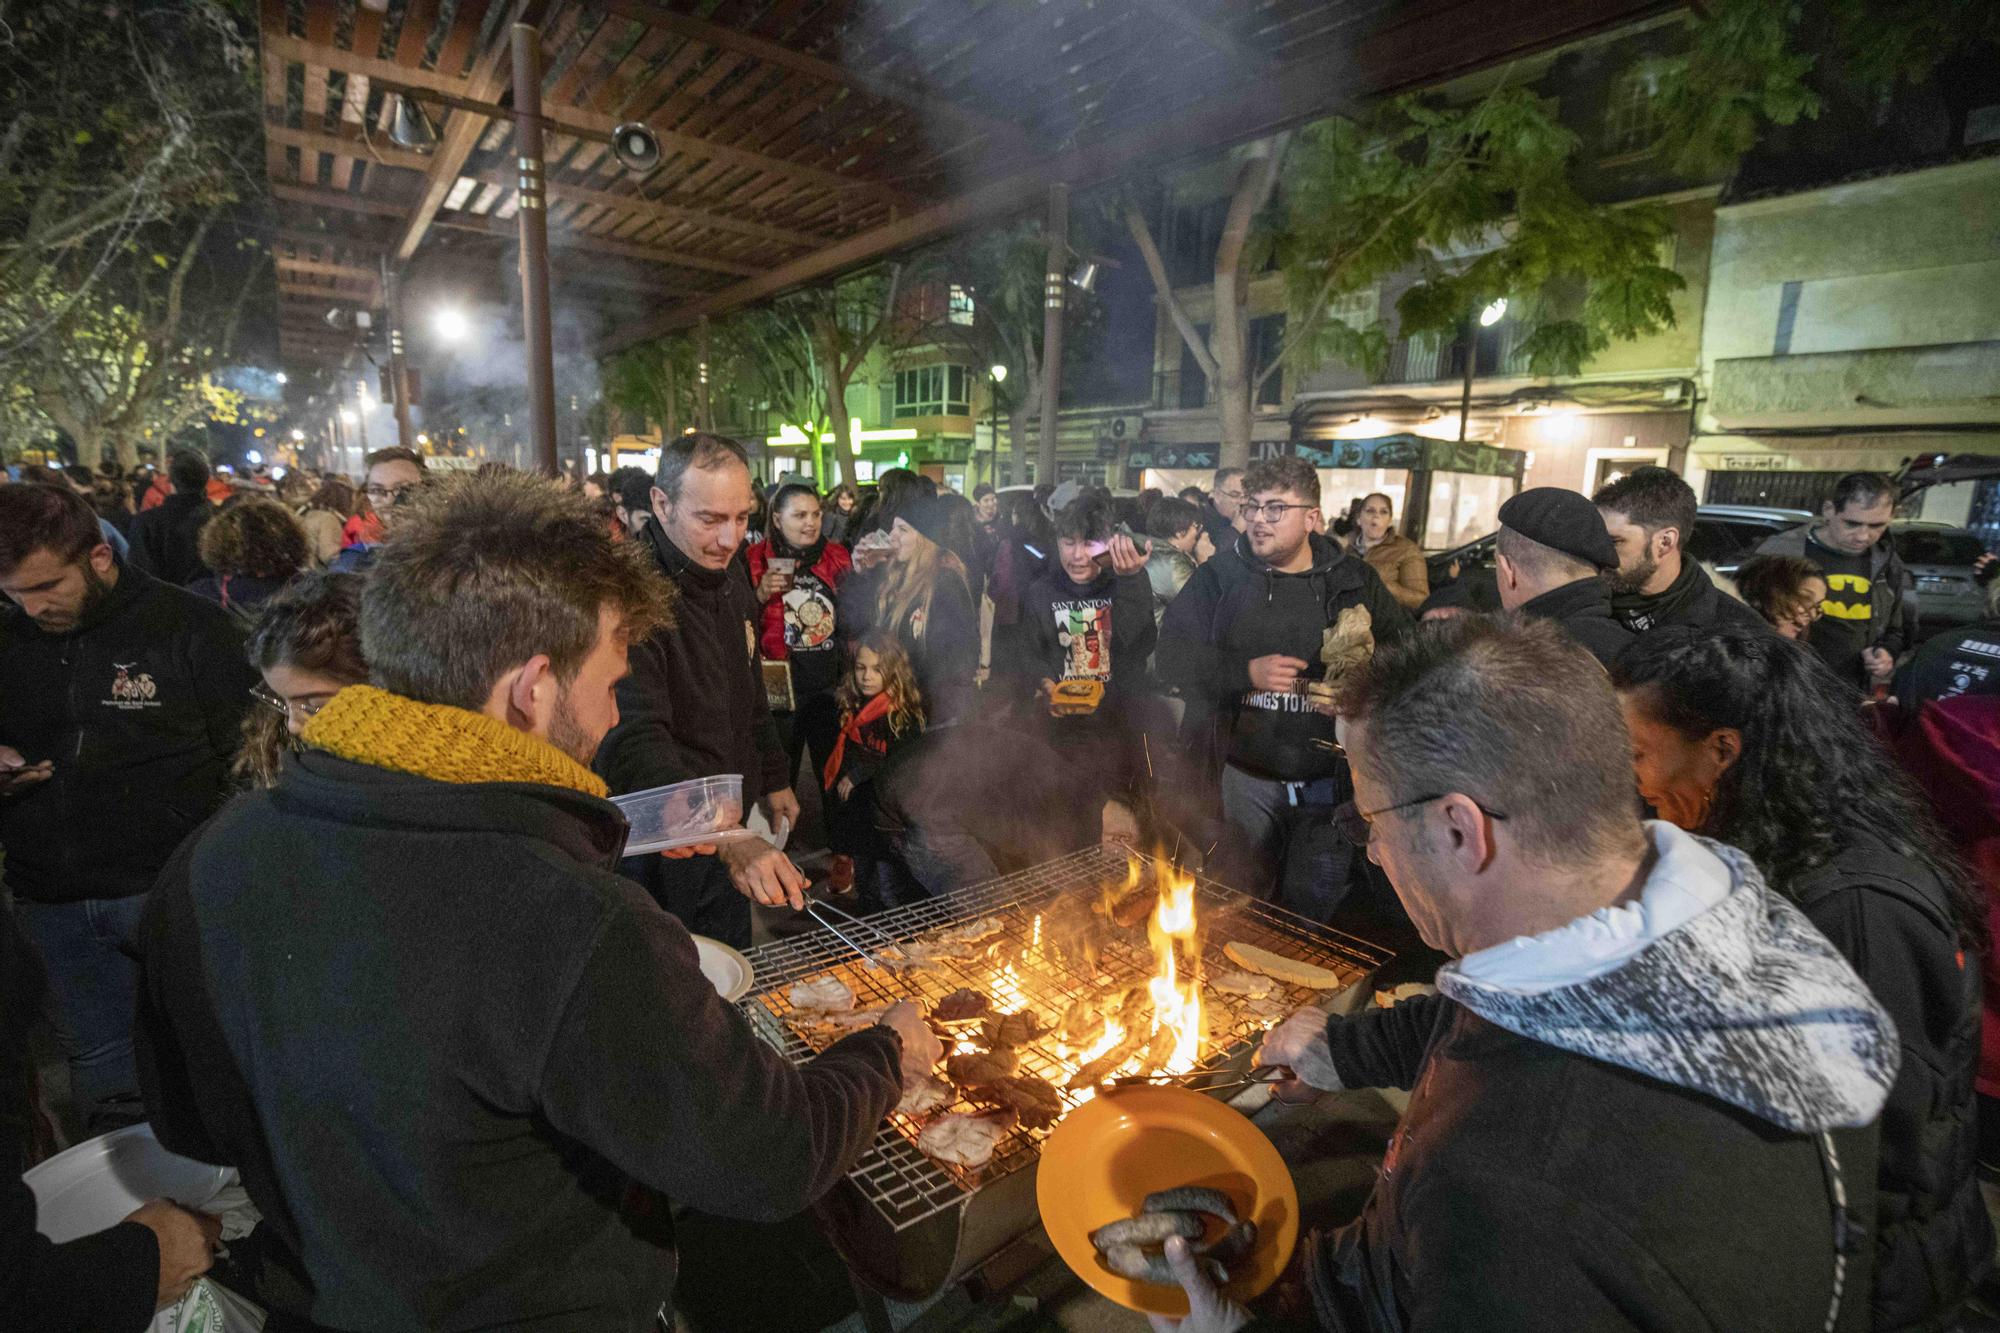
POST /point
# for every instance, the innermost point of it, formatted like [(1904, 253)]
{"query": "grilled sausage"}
[(1193, 1199), (1133, 1262), (1146, 1229)]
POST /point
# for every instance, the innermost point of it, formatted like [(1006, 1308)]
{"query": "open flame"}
[(1176, 1003)]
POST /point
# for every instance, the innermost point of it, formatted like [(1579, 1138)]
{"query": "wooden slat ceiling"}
[(800, 137)]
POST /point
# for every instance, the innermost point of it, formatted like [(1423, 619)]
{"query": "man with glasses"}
[(1222, 517), (1241, 642), (394, 475), (1645, 1096), (121, 706)]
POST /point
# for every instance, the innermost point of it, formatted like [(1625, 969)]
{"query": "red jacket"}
[(801, 623)]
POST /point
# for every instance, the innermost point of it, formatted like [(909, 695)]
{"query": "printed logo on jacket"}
[(809, 614), (130, 691), (1083, 628)]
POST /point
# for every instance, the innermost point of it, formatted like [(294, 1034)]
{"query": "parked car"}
[(1940, 556)]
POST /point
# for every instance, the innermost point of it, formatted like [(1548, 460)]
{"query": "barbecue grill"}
[(909, 1225)]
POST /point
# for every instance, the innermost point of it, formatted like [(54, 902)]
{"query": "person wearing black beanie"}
[(924, 597)]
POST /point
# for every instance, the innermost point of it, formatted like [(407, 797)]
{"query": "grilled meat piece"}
[(924, 1096), (1235, 1244), (1081, 1026), (960, 1005), (986, 1067), (1035, 1099), (1232, 982), (1016, 1029), (1146, 1266), (971, 932), (1107, 1064), (828, 993), (965, 1140), (1147, 1229)]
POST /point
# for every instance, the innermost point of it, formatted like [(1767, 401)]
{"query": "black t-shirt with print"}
[(1842, 630)]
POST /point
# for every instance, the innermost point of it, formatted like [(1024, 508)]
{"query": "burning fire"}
[(1176, 1004)]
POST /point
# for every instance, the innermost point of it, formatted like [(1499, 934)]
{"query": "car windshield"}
[(1935, 546)]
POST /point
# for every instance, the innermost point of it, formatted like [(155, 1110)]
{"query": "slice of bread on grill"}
[(1291, 971)]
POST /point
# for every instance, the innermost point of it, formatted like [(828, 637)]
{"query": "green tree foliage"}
[(1478, 202)]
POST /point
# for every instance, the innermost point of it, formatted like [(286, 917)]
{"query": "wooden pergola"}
[(799, 138)]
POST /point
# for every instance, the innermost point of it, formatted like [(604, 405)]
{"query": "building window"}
[(959, 311), (1357, 310), (932, 391), (1632, 117)]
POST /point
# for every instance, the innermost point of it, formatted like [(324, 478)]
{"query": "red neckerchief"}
[(874, 708)]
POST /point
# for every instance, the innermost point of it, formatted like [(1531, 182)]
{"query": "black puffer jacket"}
[(1236, 609), (1891, 918), (166, 539), (1691, 599), (141, 708)]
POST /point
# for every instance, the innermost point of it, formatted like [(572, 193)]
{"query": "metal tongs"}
[(834, 917), (1261, 1074)]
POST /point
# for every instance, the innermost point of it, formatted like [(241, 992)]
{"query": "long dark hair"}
[(1811, 773)]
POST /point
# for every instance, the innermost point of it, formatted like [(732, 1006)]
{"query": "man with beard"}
[(406, 994), (1650, 515), (121, 705)]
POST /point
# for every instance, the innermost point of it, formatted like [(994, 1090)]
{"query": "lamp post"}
[(997, 376)]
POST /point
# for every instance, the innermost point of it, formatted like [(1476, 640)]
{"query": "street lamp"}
[(283, 378), (1493, 313), (298, 436), (451, 324)]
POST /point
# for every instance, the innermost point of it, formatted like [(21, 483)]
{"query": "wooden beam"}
[(463, 129), (574, 121), (587, 244), (640, 207), (726, 38), (341, 199), (321, 268), (334, 240), (376, 149), (1392, 59)]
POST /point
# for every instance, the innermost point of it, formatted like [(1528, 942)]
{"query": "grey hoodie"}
[(1744, 1001)]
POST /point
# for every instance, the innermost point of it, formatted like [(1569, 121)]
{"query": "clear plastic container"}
[(686, 813)]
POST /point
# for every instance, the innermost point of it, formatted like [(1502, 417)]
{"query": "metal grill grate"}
[(903, 1184)]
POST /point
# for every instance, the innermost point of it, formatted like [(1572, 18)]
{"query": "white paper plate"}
[(99, 1182), (727, 970)]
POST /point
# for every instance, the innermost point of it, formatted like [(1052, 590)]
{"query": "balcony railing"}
[(1429, 358)]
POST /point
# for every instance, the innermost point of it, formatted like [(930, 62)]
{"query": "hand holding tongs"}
[(1261, 1074)]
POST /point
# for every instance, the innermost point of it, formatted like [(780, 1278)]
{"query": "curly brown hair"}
[(254, 538)]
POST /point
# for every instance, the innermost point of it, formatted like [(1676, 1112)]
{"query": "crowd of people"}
[(304, 817)]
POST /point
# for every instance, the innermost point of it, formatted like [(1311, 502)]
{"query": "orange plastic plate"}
[(1105, 1157)]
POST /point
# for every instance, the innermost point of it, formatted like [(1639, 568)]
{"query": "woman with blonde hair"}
[(924, 599), (324, 515)]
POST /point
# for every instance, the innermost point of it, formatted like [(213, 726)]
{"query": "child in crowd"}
[(880, 709)]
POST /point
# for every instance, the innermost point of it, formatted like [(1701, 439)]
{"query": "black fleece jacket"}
[(1583, 608), (166, 539), (1102, 630), (694, 703), (441, 1040), (1236, 609), (1529, 1189), (141, 708)]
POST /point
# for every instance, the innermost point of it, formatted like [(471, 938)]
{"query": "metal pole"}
[(993, 401), (399, 378), (702, 415), (1054, 280), (361, 417), (533, 213), (1471, 361)]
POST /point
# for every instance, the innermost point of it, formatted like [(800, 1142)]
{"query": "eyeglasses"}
[(271, 699), (390, 495), (1230, 495), (1270, 509), (1355, 825)]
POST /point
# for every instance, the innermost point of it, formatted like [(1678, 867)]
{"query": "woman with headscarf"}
[(1747, 738)]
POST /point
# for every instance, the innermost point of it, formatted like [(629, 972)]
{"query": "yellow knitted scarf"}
[(371, 726)]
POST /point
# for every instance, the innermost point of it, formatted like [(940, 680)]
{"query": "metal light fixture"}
[(1084, 276), (999, 373), (412, 128)]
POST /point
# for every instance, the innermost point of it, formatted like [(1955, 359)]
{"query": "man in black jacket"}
[(1646, 1095), (1649, 515), (1241, 642), (1549, 562), (166, 539), (121, 706), (694, 705), (406, 994)]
